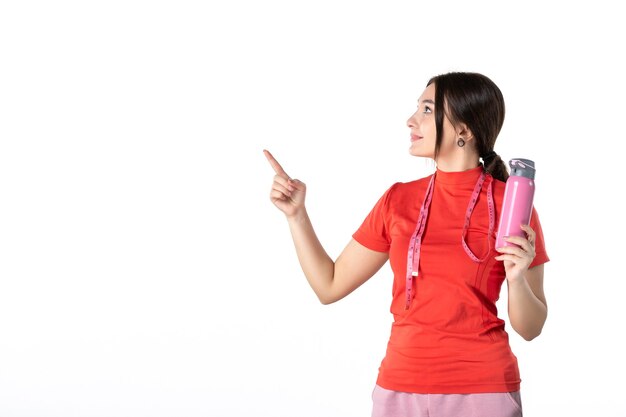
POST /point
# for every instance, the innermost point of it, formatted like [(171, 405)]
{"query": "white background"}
[(143, 269)]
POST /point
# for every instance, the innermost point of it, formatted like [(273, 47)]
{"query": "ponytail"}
[(494, 165)]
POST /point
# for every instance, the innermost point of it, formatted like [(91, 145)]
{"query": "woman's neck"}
[(460, 162)]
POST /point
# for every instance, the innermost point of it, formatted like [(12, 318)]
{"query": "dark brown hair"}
[(476, 101)]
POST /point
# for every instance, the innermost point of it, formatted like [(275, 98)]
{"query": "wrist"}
[(297, 216), (517, 282)]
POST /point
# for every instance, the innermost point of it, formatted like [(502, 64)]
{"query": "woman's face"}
[(423, 130)]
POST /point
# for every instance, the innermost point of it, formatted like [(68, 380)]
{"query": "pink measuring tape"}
[(415, 244)]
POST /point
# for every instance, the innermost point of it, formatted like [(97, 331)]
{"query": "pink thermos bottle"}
[(518, 200)]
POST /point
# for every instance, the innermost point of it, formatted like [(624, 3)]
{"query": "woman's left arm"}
[(528, 309)]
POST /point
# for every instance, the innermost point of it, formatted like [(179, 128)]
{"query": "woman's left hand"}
[(518, 258)]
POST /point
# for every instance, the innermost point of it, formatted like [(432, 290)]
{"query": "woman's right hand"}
[(287, 194)]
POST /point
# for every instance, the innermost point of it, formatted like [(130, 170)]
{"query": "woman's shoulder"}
[(401, 190), (498, 187), (412, 185)]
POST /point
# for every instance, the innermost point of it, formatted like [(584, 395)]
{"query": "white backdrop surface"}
[(143, 269)]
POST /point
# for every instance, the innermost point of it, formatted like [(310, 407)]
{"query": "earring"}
[(460, 142)]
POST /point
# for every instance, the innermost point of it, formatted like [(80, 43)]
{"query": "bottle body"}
[(517, 207)]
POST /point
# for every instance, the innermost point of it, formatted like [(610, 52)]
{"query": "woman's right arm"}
[(331, 281)]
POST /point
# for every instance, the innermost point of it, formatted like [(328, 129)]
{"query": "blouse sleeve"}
[(374, 231), (541, 256)]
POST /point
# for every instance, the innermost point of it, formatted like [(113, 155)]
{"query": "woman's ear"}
[(462, 131)]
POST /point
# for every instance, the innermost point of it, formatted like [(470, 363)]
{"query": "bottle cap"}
[(522, 168)]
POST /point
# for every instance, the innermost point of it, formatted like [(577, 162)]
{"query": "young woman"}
[(448, 353)]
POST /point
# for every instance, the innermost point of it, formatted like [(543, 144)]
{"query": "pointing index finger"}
[(275, 165)]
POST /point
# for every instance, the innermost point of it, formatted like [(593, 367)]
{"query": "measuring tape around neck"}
[(415, 244)]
